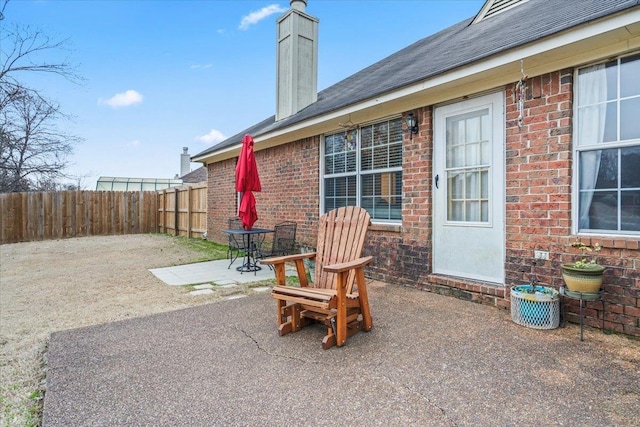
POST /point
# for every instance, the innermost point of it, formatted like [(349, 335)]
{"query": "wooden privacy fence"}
[(182, 211), (53, 215)]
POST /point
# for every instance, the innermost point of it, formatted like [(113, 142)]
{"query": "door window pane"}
[(472, 183), (472, 154), (484, 185), (456, 185), (472, 211), (467, 158), (473, 130), (456, 211)]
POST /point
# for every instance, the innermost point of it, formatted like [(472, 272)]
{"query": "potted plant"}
[(584, 275)]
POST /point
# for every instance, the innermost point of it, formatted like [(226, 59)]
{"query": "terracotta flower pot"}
[(585, 280)]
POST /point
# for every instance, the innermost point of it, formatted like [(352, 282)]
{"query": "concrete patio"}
[(211, 272), (429, 361)]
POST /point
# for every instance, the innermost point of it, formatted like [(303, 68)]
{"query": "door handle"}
[(437, 179)]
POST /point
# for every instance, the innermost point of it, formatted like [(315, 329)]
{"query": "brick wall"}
[(402, 254), (221, 198), (538, 208), (538, 191), (538, 213), (290, 187), (538, 169), (290, 190)]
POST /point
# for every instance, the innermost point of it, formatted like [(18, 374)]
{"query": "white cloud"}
[(212, 137), (125, 99), (200, 66), (259, 15), (134, 143)]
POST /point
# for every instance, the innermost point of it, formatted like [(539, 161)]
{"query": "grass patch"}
[(211, 251), (290, 281)]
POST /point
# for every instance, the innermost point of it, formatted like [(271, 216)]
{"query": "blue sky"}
[(162, 75)]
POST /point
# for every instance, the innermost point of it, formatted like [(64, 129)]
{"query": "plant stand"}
[(536, 307), (584, 298)]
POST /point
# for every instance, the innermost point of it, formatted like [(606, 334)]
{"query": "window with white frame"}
[(607, 146), (363, 167)]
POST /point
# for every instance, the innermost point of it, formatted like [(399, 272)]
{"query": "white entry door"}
[(468, 189)]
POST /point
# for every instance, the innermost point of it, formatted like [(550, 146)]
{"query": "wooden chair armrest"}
[(351, 265), (287, 258)]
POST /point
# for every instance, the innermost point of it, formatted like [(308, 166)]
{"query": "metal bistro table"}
[(252, 240)]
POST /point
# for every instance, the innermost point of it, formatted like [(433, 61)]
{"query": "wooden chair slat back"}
[(340, 239)]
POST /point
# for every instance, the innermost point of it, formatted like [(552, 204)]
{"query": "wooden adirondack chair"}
[(331, 299)]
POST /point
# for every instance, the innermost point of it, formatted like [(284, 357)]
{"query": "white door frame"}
[(466, 248)]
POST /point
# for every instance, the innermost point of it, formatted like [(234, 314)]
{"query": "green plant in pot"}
[(584, 275)]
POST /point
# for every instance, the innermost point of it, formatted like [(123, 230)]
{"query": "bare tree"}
[(32, 149)]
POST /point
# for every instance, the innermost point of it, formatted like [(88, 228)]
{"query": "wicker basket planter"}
[(585, 280), (536, 307)]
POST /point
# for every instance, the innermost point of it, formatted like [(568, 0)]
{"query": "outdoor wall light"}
[(412, 124)]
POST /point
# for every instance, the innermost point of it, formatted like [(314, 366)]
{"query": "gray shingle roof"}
[(456, 46), (195, 176)]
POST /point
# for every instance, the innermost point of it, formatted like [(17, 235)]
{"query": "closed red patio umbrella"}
[(247, 180)]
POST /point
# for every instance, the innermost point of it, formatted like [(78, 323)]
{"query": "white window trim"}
[(358, 173), (576, 150)]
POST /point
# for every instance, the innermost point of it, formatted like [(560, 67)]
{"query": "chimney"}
[(297, 60), (298, 5), (185, 162)]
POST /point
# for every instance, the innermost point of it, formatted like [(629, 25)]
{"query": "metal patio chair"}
[(237, 245)]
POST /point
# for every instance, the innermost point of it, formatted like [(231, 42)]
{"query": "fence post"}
[(176, 213), (164, 212), (189, 210)]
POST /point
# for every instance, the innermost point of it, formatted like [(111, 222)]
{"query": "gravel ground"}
[(55, 285)]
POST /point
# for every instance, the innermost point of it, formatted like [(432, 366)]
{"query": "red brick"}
[(538, 168)]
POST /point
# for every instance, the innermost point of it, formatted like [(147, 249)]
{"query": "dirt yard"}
[(55, 285)]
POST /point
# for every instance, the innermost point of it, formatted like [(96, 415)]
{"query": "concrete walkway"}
[(430, 360), (217, 272)]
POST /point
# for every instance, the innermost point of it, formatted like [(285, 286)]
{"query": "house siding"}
[(402, 254), (538, 186), (290, 180), (538, 175), (221, 201), (539, 205)]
